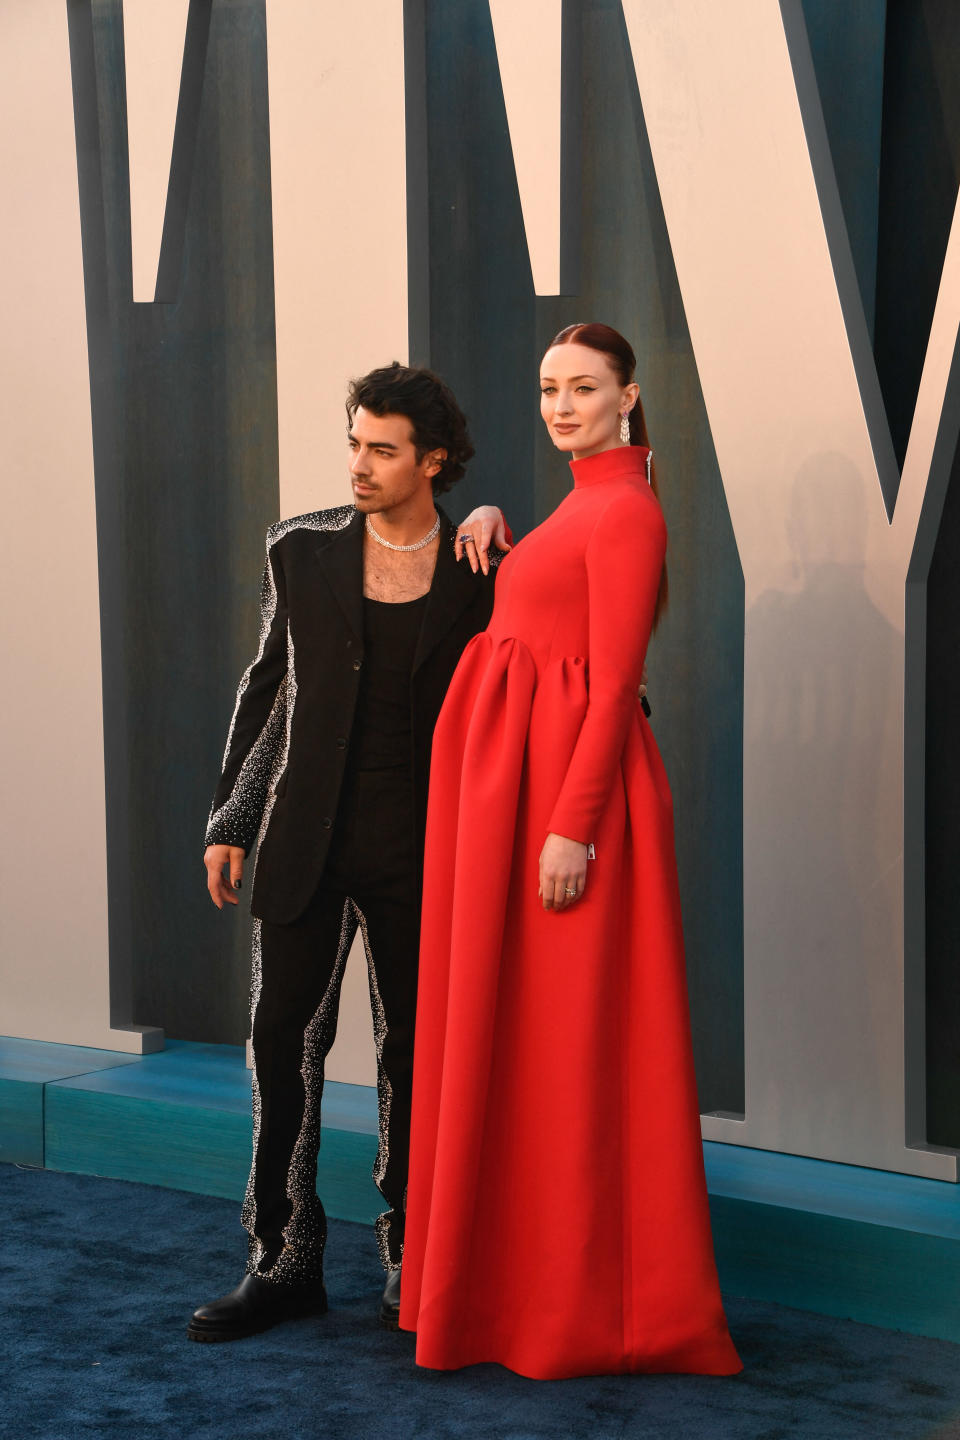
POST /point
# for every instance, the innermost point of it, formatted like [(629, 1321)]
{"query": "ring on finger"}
[(568, 891), (466, 540)]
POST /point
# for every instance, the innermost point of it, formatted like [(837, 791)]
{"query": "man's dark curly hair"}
[(437, 420)]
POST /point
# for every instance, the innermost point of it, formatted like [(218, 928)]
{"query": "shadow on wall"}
[(821, 718)]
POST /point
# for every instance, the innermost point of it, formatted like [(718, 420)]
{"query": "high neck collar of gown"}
[(617, 464)]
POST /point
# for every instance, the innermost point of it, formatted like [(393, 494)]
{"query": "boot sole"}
[(213, 1336), (389, 1319)]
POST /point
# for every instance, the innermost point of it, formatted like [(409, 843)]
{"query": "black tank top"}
[(381, 729)]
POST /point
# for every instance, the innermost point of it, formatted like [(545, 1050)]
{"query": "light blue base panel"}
[(182, 1118), (182, 1146), (839, 1239), (21, 1122), (864, 1244), (848, 1192), (877, 1274), (26, 1068)]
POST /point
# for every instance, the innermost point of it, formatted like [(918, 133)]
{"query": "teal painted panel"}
[(26, 1066), (184, 392), (344, 1176), (874, 1197), (191, 1147), (41, 1060), (208, 1077), (350, 1107), (181, 1118), (186, 1147), (847, 45), (21, 1122), (215, 1077), (871, 1273)]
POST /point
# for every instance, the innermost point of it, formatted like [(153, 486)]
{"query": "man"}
[(365, 613)]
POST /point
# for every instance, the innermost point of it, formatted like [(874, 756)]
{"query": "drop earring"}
[(625, 428)]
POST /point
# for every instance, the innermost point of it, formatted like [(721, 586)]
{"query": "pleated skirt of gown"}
[(557, 1217)]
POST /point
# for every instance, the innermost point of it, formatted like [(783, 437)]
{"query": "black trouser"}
[(371, 881)]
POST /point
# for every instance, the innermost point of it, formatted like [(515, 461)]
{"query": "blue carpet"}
[(98, 1278)]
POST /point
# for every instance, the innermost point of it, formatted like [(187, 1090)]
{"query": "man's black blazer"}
[(288, 742)]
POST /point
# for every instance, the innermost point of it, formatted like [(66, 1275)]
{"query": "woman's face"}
[(581, 400)]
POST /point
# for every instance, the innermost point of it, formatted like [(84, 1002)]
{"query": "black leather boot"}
[(256, 1304), (390, 1304)]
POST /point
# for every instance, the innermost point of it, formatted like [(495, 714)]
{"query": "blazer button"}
[(326, 822), (357, 664), (341, 743)]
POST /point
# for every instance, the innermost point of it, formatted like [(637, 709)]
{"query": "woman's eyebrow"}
[(572, 377)]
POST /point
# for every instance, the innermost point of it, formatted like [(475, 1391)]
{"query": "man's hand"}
[(217, 859), (482, 525), (563, 872)]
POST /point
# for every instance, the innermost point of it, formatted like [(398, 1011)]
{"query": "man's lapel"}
[(454, 586), (341, 558)]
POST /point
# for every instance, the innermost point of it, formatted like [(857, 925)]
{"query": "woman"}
[(557, 1214)]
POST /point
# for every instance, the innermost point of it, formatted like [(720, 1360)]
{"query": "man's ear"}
[(435, 461)]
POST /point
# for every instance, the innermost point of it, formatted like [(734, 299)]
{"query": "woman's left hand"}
[(483, 525), (563, 872)]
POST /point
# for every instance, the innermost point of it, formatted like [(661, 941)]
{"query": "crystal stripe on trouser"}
[(301, 1259), (384, 1100)]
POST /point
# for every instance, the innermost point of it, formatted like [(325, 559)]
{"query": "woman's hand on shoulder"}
[(483, 525), (563, 872)]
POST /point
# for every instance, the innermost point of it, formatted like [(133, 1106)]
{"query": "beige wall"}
[(54, 977), (338, 171), (338, 167), (528, 50), (824, 571), (153, 37)]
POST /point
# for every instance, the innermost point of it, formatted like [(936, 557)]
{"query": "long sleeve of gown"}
[(624, 560)]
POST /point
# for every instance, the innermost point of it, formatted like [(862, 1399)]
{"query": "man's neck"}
[(407, 523), (398, 575)]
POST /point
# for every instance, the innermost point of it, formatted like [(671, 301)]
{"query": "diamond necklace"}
[(434, 532)]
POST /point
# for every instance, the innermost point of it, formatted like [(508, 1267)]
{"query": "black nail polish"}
[(238, 884)]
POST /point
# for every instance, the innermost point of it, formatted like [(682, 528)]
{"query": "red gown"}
[(557, 1215)]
